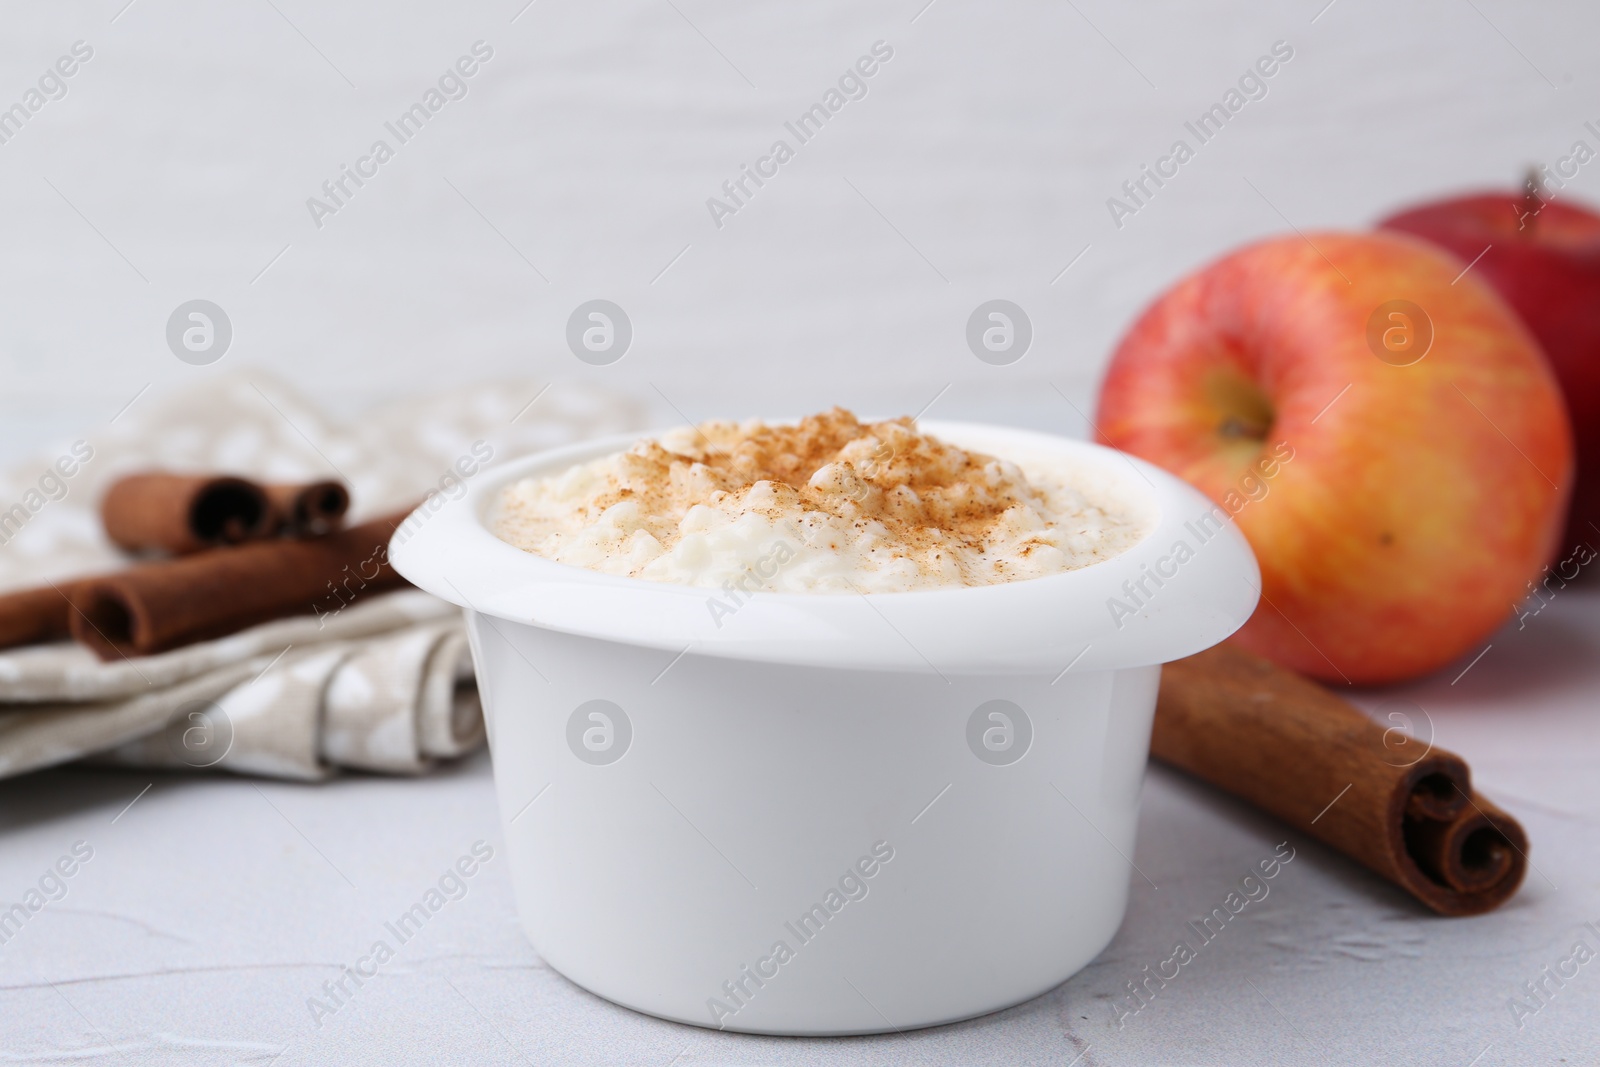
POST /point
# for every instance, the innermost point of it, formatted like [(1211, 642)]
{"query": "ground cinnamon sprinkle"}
[(875, 506)]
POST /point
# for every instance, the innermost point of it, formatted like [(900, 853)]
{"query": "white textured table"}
[(178, 166), (213, 908)]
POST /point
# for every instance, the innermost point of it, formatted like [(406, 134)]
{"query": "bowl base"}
[(823, 1030)]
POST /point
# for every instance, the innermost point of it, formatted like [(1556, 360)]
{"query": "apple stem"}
[(1532, 200)]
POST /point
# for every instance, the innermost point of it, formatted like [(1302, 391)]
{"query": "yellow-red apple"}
[(1429, 457)]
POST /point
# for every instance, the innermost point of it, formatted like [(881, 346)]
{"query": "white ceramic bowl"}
[(831, 813)]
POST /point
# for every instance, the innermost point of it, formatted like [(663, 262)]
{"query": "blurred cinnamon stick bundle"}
[(1290, 747), (231, 570)]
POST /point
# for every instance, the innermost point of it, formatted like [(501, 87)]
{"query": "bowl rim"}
[(1054, 623)]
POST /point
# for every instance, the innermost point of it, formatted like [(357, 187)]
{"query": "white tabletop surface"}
[(214, 907), (178, 166)]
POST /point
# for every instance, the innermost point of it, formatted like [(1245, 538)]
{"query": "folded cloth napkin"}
[(384, 685)]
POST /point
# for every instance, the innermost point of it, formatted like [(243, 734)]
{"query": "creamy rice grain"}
[(827, 505)]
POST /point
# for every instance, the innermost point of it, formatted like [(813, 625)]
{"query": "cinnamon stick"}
[(304, 509), (160, 606), (35, 616), (183, 513), (1292, 748)]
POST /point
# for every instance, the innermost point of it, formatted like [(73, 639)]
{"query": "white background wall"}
[(592, 139)]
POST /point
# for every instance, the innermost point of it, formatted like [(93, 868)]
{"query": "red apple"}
[(1544, 258), (1401, 470)]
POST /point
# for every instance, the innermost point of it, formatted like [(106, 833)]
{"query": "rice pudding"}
[(829, 504)]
